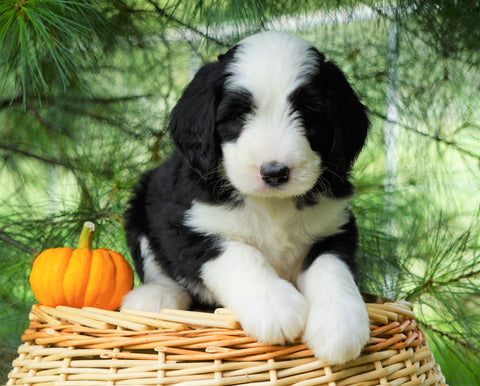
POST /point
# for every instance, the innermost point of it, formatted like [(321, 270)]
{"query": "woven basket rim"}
[(203, 348)]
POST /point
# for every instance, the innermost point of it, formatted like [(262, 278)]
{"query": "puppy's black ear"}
[(192, 121), (346, 114)]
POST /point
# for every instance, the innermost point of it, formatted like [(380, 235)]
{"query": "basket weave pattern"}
[(67, 346)]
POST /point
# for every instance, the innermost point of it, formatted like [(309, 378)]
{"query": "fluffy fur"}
[(251, 210)]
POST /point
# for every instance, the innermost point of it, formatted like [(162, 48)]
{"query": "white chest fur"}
[(276, 227)]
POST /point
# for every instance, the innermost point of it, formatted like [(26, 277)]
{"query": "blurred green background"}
[(85, 92)]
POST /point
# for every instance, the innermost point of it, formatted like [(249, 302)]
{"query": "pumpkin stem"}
[(86, 236)]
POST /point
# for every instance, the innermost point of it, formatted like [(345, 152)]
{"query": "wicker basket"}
[(68, 346)]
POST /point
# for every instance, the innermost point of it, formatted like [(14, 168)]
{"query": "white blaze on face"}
[(270, 66)]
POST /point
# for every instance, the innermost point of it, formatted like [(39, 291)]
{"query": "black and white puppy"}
[(251, 210)]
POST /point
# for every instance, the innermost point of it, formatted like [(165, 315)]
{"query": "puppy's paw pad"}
[(276, 316), (154, 297)]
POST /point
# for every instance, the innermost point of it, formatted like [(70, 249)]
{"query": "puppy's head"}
[(274, 117)]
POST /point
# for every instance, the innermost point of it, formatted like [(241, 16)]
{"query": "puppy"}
[(250, 212)]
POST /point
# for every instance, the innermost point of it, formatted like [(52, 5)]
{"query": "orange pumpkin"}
[(81, 277)]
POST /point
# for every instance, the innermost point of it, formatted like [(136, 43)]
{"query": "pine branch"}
[(457, 44), (109, 100), (44, 122), (435, 138), (64, 99), (432, 284), (121, 125), (6, 103), (466, 275), (450, 337), (165, 14), (53, 36), (50, 161), (52, 222), (16, 244), (56, 220)]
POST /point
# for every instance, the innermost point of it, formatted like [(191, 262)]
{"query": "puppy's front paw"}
[(154, 297), (336, 334), (275, 315)]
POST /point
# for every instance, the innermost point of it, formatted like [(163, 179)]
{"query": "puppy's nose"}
[(274, 173)]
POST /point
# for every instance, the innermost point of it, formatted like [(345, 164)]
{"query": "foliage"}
[(85, 95)]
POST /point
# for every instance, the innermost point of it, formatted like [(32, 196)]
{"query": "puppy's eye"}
[(231, 114), (307, 101), (234, 107)]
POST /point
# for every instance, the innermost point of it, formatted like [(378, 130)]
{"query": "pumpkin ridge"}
[(76, 276), (101, 282), (123, 280), (55, 285), (46, 275)]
